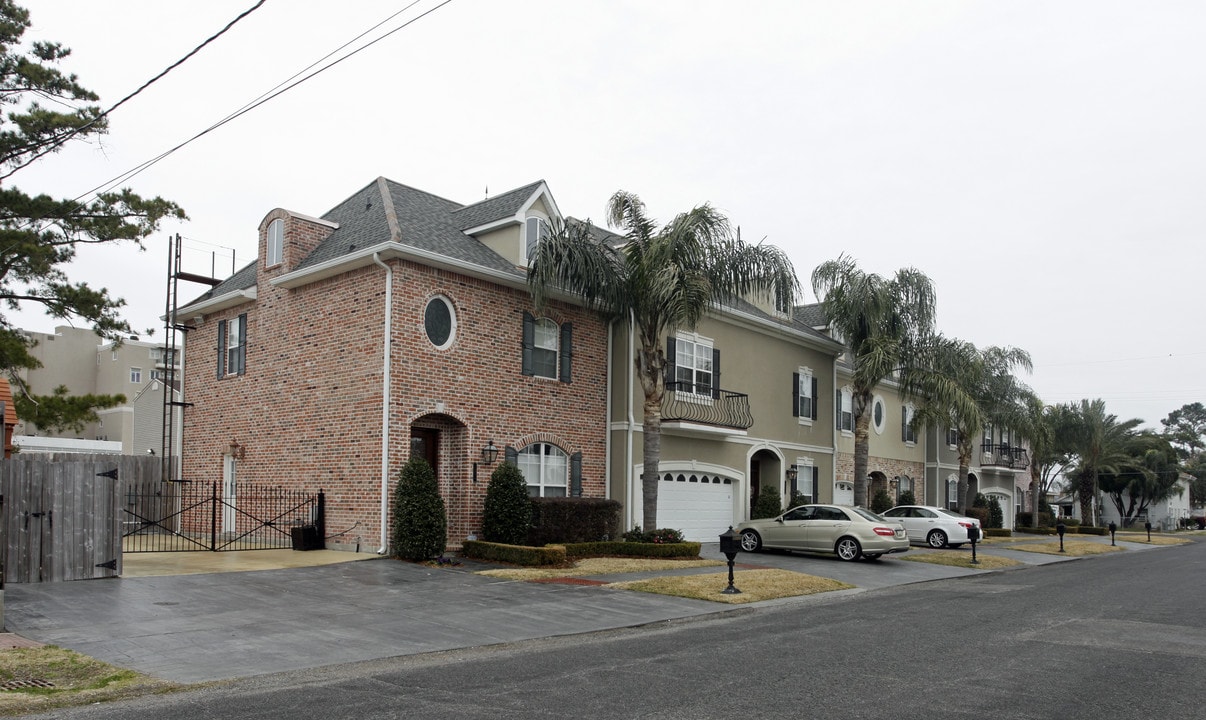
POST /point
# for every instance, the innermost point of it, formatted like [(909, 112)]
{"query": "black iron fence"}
[(689, 402), (178, 517)]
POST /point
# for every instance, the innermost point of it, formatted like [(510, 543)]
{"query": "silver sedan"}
[(848, 532)]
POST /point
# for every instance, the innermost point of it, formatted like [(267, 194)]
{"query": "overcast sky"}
[(1043, 162)]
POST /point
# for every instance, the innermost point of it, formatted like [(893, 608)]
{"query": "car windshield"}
[(944, 511), (867, 514)]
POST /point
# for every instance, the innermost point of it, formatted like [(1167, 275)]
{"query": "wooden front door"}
[(425, 442)]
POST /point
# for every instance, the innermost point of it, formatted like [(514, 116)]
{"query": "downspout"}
[(631, 427), (385, 398), (611, 329), (836, 434)]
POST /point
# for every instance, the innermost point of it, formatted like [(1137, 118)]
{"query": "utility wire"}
[(138, 169), (57, 142)]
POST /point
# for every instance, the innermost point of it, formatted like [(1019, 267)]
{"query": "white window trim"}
[(274, 247), (805, 386), (452, 321), (136, 375), (883, 416), (848, 398), (556, 348), (804, 467), (523, 235), (910, 410), (540, 471), (689, 396)]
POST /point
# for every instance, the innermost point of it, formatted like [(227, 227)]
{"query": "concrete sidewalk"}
[(198, 627)]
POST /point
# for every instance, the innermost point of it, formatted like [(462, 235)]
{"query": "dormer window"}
[(276, 243), (535, 230)]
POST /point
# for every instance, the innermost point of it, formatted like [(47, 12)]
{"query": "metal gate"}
[(183, 516)]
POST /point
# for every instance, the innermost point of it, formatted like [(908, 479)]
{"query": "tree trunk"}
[(650, 474), (1084, 492), (1037, 491), (862, 425), (964, 470)]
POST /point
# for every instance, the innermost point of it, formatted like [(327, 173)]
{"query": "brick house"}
[(396, 317)]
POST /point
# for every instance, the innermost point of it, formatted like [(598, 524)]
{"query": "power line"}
[(76, 131), (138, 169)]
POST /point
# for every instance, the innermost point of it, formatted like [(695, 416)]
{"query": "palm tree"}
[(1038, 425), (661, 280), (1099, 442), (954, 372), (881, 321)]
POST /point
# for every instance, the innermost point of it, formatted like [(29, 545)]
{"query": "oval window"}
[(439, 320), (877, 414)]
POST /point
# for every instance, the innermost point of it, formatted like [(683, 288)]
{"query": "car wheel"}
[(955, 546), (750, 541), (875, 556), (936, 539), (848, 548)]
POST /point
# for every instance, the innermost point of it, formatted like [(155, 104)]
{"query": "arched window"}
[(952, 493), (545, 467), (275, 254)]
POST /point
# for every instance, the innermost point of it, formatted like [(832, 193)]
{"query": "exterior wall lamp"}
[(793, 472), (489, 455)]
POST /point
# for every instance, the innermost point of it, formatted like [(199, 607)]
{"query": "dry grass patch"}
[(73, 679), (956, 558), (1141, 538), (754, 585), (599, 566), (1072, 548)]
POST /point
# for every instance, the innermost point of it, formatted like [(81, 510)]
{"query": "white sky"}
[(1043, 162)]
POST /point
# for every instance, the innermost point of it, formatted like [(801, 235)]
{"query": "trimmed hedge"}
[(616, 548), (515, 554), (1089, 530), (998, 532), (573, 520), (1035, 531)]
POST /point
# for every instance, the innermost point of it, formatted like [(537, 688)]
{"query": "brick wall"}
[(891, 469), (308, 409)]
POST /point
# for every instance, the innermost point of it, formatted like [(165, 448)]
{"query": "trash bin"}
[(305, 537)]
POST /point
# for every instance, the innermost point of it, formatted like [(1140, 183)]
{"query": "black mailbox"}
[(730, 543), (973, 534)]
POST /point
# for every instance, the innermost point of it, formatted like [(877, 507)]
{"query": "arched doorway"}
[(878, 484), (443, 441), (766, 474)]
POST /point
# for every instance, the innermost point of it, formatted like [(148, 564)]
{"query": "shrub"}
[(881, 502), (658, 537), (980, 514), (980, 501), (1024, 520), (573, 520), (768, 505), (907, 498), (998, 532), (1069, 521), (517, 554), (797, 499), (632, 549), (996, 516), (1089, 530), (507, 512), (420, 525)]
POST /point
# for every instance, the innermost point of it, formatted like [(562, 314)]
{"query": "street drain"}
[(25, 684)]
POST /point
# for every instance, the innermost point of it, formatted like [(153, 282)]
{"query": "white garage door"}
[(699, 505), (843, 493)]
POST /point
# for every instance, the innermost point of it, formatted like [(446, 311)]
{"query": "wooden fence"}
[(62, 514)]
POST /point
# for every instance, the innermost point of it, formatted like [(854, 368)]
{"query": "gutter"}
[(628, 460), (387, 346)]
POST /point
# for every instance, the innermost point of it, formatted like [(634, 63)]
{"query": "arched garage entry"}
[(697, 500)]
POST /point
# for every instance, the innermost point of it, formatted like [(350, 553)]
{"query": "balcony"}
[(1004, 456), (691, 404)]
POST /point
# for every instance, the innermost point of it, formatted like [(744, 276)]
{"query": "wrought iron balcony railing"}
[(1004, 455), (688, 402)]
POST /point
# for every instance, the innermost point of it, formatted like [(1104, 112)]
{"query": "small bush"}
[(998, 532), (881, 502), (797, 499), (996, 516), (1089, 530), (632, 549), (420, 525), (1069, 521), (907, 498), (507, 512), (573, 520), (515, 554), (657, 537), (768, 505), (980, 514)]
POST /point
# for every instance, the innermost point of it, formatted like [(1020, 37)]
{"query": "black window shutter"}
[(221, 349), (715, 374), (567, 352), (904, 424), (795, 397), (242, 355), (816, 477), (529, 342), (511, 456), (576, 475), (671, 358), (814, 398)]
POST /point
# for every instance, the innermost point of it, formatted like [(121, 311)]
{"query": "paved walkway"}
[(215, 625)]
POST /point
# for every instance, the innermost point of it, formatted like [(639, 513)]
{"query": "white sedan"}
[(933, 526)]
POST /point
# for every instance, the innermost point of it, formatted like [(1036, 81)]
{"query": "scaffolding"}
[(173, 395)]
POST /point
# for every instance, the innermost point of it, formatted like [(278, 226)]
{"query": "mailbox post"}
[(973, 535), (1148, 526), (1061, 529), (1113, 529), (730, 545)]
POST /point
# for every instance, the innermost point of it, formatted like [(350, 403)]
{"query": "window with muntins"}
[(806, 481), (135, 375), (692, 366), (952, 436), (545, 467), (548, 348), (535, 230), (804, 394), (845, 410), (907, 433), (952, 494), (232, 346), (275, 254)]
